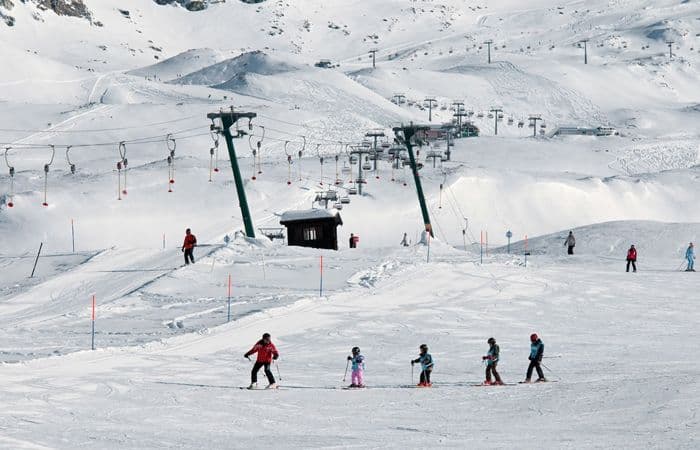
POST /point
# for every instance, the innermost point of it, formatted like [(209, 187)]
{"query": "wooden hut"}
[(316, 228)]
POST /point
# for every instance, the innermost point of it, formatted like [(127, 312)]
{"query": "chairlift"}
[(345, 200), (366, 166), (352, 191), (353, 159), (510, 121), (543, 125), (480, 115), (338, 206), (490, 116), (521, 124)]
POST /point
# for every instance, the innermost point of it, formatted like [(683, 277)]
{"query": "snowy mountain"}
[(108, 156)]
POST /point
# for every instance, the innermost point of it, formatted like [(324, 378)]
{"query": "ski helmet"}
[(266, 336), (491, 341), (424, 348), (355, 350), (534, 337)]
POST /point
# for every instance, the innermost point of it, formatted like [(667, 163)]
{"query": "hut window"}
[(309, 234)]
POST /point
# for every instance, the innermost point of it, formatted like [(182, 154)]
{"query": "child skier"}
[(358, 368), (267, 352), (491, 359), (536, 352), (690, 256), (426, 365)]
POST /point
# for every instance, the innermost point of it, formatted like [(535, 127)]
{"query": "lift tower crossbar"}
[(229, 119), (404, 134)]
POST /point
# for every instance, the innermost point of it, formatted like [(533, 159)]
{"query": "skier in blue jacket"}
[(690, 256), (536, 352), (426, 365)]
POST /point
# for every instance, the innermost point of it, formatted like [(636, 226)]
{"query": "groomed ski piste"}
[(168, 370)]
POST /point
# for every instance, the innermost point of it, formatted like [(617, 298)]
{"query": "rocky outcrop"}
[(8, 19), (190, 5), (73, 8)]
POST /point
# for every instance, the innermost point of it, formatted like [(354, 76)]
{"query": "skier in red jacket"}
[(188, 246), (632, 259), (267, 352)]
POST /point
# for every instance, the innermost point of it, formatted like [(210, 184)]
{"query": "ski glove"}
[(349, 358), (275, 357), (246, 357)]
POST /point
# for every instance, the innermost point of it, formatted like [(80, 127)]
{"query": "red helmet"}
[(533, 337)]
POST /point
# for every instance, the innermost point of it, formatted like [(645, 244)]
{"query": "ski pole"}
[(346, 370), (278, 371), (411, 373), (542, 364)]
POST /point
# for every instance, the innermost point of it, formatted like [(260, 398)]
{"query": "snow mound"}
[(183, 63), (256, 62), (655, 240)]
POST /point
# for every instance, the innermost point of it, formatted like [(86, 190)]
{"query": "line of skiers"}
[(570, 243), (267, 353)]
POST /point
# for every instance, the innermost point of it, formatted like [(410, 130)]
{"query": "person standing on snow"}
[(536, 352), (358, 368), (491, 359), (353, 241), (426, 364), (267, 352), (570, 243), (690, 256), (188, 246), (404, 241), (632, 258)]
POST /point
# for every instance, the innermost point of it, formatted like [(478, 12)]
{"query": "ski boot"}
[(271, 386), (541, 380), (252, 386)]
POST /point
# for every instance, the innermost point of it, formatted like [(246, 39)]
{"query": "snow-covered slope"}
[(72, 88)]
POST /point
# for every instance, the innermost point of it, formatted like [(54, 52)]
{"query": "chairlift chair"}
[(352, 191), (345, 200), (338, 206), (366, 166)]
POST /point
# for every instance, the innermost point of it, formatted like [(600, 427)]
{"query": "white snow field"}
[(621, 347)]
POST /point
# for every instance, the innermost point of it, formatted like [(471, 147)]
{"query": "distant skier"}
[(267, 352), (690, 256), (570, 243), (358, 368), (491, 359), (536, 352), (188, 246), (632, 258), (426, 365), (353, 241), (404, 241)]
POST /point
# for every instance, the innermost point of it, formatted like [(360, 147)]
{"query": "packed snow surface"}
[(134, 81)]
